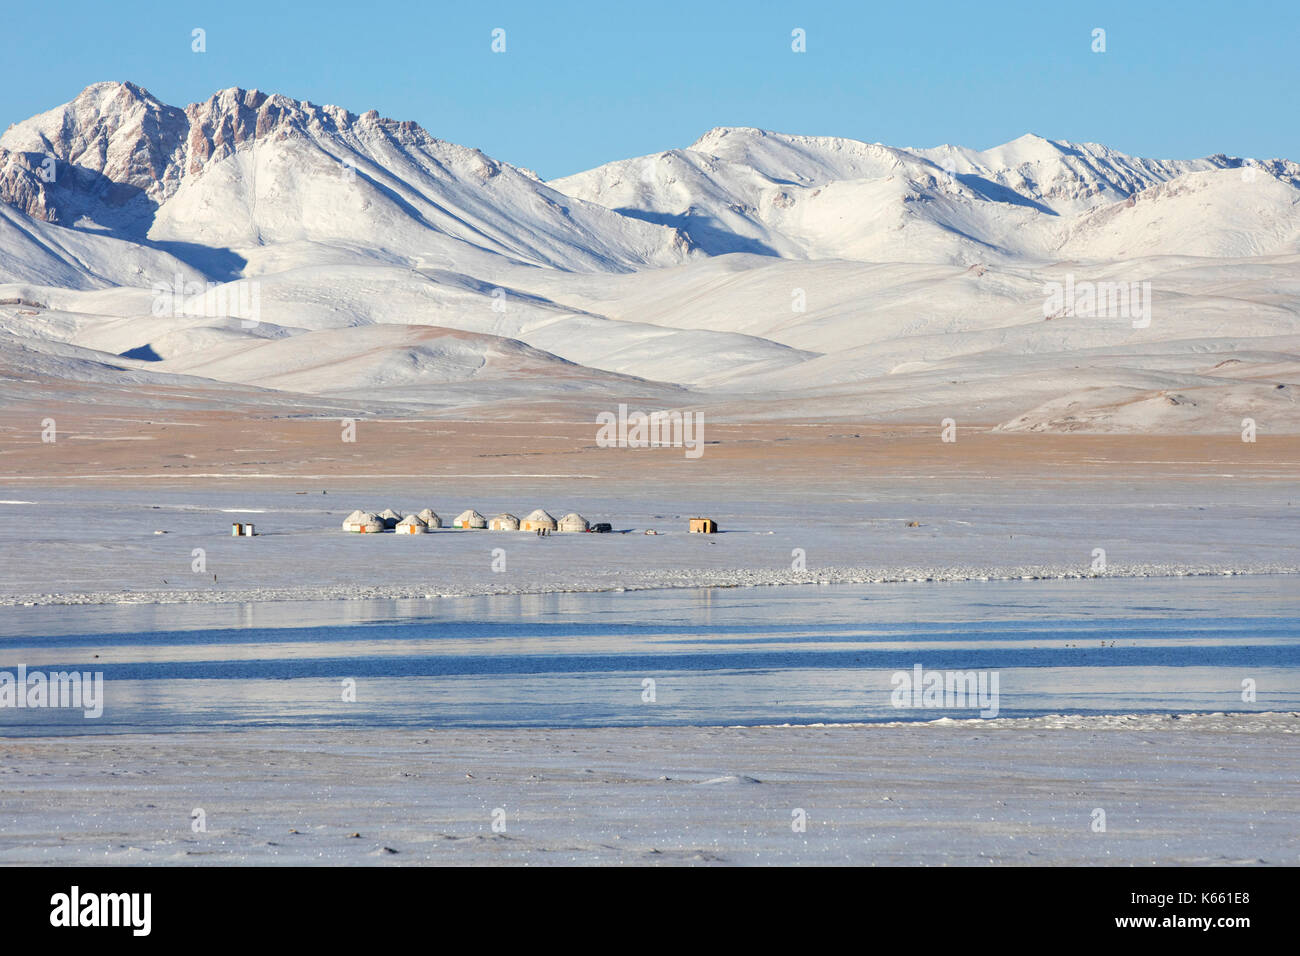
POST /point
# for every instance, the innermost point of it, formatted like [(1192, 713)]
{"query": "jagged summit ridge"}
[(248, 168)]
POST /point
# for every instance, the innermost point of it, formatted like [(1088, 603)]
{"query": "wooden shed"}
[(704, 526)]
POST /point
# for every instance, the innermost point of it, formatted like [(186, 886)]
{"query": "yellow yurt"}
[(539, 520)]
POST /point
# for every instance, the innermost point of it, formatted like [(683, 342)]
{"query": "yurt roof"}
[(540, 515), (505, 514), (389, 513), (573, 516), (412, 519), (471, 513), (428, 513), (356, 517)]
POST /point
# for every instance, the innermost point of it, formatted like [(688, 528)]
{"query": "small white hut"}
[(504, 522), (411, 524), (539, 520), (389, 517), (363, 522), (574, 522), (430, 518), (469, 519)]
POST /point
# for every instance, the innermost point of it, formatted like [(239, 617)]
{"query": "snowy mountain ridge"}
[(758, 273)]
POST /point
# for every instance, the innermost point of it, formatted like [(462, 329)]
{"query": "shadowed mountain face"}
[(270, 243)]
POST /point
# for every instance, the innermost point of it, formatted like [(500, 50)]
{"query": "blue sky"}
[(585, 83)]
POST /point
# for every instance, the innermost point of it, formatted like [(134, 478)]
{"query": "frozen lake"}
[(712, 657)]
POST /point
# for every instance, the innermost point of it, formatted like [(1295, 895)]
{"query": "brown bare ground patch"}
[(102, 442)]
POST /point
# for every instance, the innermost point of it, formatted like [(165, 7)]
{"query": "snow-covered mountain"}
[(248, 169), (281, 247), (747, 190)]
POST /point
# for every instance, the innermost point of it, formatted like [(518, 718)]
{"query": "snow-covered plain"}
[(769, 536), (1200, 790)]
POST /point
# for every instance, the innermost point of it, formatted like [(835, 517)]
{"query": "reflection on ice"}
[(752, 656)]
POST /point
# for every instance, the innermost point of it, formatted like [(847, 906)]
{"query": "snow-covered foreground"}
[(100, 544), (1198, 790)]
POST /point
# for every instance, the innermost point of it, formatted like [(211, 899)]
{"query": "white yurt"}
[(389, 517), (539, 520), (469, 519), (411, 524), (504, 522), (430, 518), (363, 522), (574, 522)]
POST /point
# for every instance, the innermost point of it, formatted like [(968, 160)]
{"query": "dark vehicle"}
[(603, 528)]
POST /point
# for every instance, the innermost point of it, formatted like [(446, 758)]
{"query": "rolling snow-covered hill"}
[(273, 245)]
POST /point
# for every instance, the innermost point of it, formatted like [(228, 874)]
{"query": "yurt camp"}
[(469, 519), (411, 524), (430, 518), (504, 522), (573, 522), (363, 522), (539, 520), (389, 517)]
